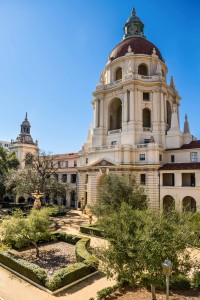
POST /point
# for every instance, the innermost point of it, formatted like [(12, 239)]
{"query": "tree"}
[(39, 175), (21, 231), (8, 161), (140, 241), (117, 189)]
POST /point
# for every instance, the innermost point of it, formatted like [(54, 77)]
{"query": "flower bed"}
[(86, 264)]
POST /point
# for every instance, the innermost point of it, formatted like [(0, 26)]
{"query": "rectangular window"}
[(172, 158), (86, 178), (146, 141), (64, 178), (143, 179), (146, 96), (160, 157), (73, 178), (86, 160), (142, 156), (75, 163), (113, 142), (168, 179), (193, 157), (66, 164), (188, 179)]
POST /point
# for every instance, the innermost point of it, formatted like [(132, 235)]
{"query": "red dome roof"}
[(138, 45)]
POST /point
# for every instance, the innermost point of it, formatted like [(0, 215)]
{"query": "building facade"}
[(5, 145), (137, 128), (24, 143)]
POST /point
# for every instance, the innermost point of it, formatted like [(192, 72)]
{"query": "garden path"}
[(14, 288)]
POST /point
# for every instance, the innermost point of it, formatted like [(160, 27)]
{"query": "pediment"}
[(104, 162)]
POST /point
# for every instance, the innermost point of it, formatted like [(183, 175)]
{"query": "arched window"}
[(169, 114), (168, 203), (115, 114), (189, 204), (146, 117), (118, 74), (21, 199), (143, 70)]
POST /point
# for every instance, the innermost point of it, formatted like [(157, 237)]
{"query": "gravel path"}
[(53, 256)]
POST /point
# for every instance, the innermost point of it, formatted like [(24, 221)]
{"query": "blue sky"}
[(53, 51)]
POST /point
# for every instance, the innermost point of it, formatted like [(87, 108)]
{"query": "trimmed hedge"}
[(91, 230), (29, 270), (68, 275), (196, 280), (86, 265)]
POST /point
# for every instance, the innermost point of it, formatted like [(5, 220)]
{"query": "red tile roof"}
[(191, 145), (138, 45), (181, 166)]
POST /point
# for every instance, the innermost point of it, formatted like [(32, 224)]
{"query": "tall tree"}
[(39, 175), (8, 161), (21, 231), (140, 241), (117, 189)]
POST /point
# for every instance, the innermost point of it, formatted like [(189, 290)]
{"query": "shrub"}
[(179, 282), (68, 275), (29, 270), (196, 280), (82, 254), (92, 230), (107, 291)]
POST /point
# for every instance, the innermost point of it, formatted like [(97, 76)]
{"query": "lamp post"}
[(167, 269)]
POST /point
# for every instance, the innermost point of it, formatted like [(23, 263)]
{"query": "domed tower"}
[(24, 143), (133, 112)]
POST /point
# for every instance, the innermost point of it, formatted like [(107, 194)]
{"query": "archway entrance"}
[(21, 199), (189, 204), (168, 203)]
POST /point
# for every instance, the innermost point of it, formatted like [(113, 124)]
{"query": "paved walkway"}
[(14, 288)]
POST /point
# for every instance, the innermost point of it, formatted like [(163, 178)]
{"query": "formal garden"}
[(35, 245)]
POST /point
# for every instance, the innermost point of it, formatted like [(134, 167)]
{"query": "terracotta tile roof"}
[(66, 156), (181, 166), (138, 45), (191, 145)]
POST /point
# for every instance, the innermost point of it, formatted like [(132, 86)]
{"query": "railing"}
[(147, 129), (114, 131), (142, 145)]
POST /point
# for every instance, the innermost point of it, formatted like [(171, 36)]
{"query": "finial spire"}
[(26, 117), (133, 12), (186, 125), (134, 26), (172, 84)]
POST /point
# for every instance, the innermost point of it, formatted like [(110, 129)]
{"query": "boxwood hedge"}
[(86, 265)]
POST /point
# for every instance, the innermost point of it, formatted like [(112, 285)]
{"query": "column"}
[(96, 114), (132, 105), (125, 107), (162, 117), (155, 107), (101, 113)]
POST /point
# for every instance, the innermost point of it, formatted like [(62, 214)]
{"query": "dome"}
[(139, 45)]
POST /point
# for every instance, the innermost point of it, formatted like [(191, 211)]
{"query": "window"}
[(115, 114), (143, 70), (66, 164), (168, 179), (113, 142), (146, 96), (160, 157), (118, 74), (143, 179), (172, 158), (75, 163), (73, 178), (146, 141), (188, 179), (193, 156), (64, 178), (86, 178), (86, 160), (142, 156), (146, 118)]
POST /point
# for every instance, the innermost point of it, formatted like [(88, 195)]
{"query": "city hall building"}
[(137, 128)]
